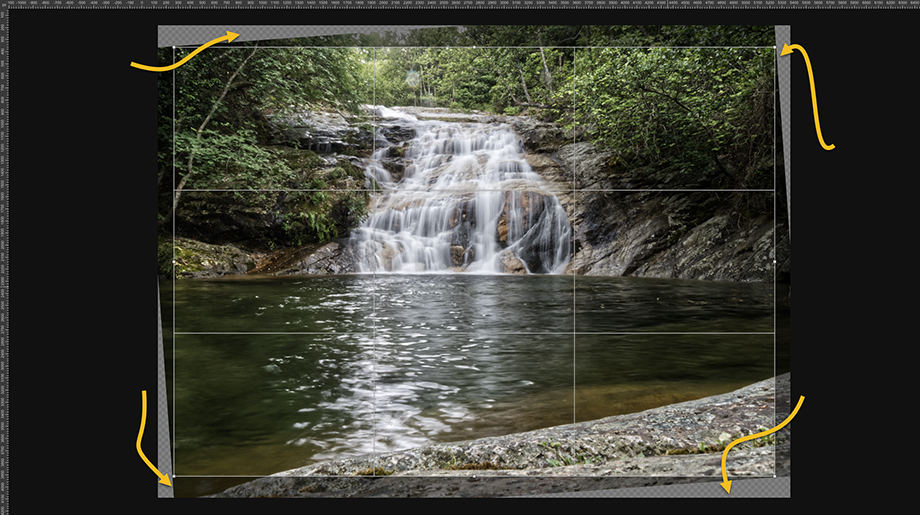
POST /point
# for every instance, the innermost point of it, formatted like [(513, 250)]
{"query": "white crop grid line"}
[(574, 212), (173, 268), (422, 332), (374, 287), (775, 89), (575, 191)]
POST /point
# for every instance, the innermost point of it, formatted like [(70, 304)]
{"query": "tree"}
[(687, 108), (196, 145), (229, 100)]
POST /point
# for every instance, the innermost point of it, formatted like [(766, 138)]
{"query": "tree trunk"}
[(523, 82), (204, 124), (549, 76)]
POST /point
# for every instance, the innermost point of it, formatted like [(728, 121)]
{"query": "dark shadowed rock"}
[(250, 221), (537, 135), (678, 233), (315, 259), (321, 131)]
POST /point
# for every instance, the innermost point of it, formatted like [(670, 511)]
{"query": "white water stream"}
[(467, 202)]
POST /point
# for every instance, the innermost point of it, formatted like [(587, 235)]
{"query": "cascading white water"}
[(468, 201)]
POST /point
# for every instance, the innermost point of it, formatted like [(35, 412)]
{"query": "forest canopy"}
[(650, 94)]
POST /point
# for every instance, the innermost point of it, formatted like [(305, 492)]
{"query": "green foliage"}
[(563, 460), (356, 208), (226, 100), (299, 160), (309, 226), (322, 215), (165, 266), (222, 160), (693, 109), (454, 464), (680, 106), (700, 110), (318, 197), (468, 78), (704, 448), (345, 169), (774, 438), (165, 113), (321, 224)]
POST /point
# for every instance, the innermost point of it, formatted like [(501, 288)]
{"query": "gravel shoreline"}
[(675, 444)]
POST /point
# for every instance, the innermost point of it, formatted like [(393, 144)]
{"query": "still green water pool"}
[(269, 374)]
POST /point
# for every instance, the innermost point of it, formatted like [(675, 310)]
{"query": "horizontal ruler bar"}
[(465, 4)]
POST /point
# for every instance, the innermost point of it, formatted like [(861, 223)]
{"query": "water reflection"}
[(466, 303), (621, 304), (330, 367)]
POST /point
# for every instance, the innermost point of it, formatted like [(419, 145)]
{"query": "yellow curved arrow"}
[(163, 477), (787, 49), (229, 37), (726, 484)]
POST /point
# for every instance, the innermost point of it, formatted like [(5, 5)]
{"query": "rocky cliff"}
[(626, 221), (646, 222)]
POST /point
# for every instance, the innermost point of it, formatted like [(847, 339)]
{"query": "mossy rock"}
[(197, 259), (297, 160), (164, 257), (347, 168)]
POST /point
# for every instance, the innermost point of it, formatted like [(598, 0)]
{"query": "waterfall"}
[(467, 201)]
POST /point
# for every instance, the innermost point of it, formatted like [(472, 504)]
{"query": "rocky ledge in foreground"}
[(675, 444)]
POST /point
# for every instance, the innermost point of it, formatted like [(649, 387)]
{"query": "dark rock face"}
[(315, 259), (520, 214), (538, 136), (678, 234), (222, 218), (320, 131), (396, 132)]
